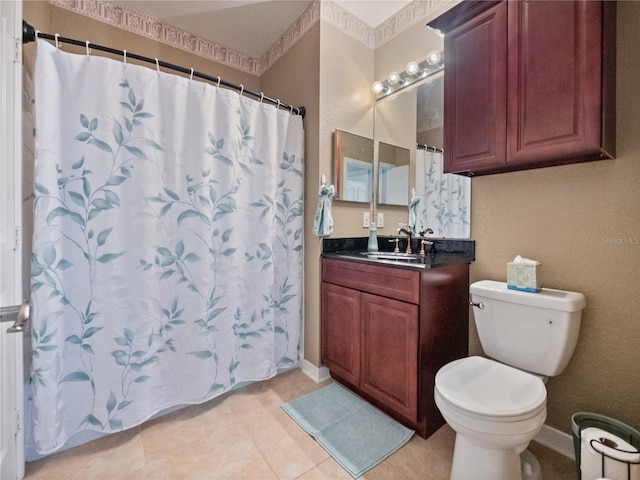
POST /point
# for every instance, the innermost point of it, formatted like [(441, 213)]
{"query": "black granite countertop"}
[(443, 252)]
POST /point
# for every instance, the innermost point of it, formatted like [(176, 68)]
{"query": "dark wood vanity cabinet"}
[(385, 332), (528, 84)]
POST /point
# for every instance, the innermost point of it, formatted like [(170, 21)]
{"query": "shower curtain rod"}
[(29, 35), (422, 146)]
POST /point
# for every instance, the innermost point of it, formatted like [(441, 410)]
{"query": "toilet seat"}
[(478, 386)]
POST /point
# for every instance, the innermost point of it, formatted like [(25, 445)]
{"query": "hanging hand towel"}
[(413, 211), (322, 221)]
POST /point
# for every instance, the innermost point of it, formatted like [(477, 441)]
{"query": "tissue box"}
[(524, 276)]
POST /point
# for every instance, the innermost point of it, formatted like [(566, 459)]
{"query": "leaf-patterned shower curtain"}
[(167, 253), (445, 199)]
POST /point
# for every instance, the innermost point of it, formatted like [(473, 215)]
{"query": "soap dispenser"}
[(372, 246)]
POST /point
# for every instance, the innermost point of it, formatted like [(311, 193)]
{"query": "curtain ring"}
[(261, 97), (157, 65), (125, 56), (218, 82), (88, 49), (37, 33), (291, 110), (57, 43), (278, 104), (241, 89), (191, 77)]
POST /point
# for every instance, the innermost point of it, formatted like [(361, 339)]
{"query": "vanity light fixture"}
[(414, 72)]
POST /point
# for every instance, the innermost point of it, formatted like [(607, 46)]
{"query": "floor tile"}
[(245, 435)]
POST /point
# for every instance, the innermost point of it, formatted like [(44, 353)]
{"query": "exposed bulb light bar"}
[(414, 72)]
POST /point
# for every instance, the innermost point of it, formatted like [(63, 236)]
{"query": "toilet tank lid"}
[(547, 298)]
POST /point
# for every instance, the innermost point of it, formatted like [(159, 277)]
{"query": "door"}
[(340, 331), (554, 91), (475, 86), (11, 381), (390, 353)]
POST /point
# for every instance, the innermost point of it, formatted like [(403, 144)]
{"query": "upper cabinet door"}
[(554, 80), (475, 92)]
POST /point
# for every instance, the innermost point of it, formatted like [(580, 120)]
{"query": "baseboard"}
[(556, 440), (317, 374)]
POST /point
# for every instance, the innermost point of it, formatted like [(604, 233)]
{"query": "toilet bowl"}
[(497, 405), (495, 411)]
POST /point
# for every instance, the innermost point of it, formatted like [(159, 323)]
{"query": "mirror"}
[(353, 167), (411, 116), (393, 174), (430, 120)]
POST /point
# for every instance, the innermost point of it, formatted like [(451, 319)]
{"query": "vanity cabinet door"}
[(390, 353), (340, 331), (475, 92)]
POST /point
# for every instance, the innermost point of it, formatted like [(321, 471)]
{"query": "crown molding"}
[(310, 16), (347, 22), (417, 11), (150, 27)]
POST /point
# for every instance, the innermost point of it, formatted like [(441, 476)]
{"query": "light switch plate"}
[(380, 220), (365, 219)]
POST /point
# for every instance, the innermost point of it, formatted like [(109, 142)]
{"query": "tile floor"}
[(246, 435)]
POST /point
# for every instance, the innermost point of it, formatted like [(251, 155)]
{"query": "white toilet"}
[(496, 407)]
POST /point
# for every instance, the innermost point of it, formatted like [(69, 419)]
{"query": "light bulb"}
[(377, 87), (394, 78), (412, 68), (434, 57)]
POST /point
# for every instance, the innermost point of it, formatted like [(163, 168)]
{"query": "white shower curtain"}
[(167, 253), (445, 199)]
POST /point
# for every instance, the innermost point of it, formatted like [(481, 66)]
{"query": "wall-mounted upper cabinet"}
[(527, 84)]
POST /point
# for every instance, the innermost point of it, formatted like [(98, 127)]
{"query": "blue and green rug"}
[(356, 434)]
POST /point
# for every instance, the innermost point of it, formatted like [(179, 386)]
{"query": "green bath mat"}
[(357, 435)]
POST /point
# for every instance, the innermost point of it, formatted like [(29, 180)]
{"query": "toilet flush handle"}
[(480, 305)]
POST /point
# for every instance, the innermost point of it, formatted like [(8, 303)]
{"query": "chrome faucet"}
[(408, 234), (425, 231)]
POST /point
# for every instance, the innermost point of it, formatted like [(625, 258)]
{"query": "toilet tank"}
[(536, 332)]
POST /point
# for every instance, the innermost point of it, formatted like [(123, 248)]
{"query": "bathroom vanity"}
[(387, 326)]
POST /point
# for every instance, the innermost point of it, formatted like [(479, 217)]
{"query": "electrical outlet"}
[(365, 219), (380, 220)]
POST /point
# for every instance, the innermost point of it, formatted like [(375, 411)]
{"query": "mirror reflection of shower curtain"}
[(167, 253), (445, 199)]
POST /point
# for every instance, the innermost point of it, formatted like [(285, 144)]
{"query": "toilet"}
[(497, 405)]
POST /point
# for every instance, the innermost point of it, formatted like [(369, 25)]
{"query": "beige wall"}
[(296, 77), (583, 223)]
